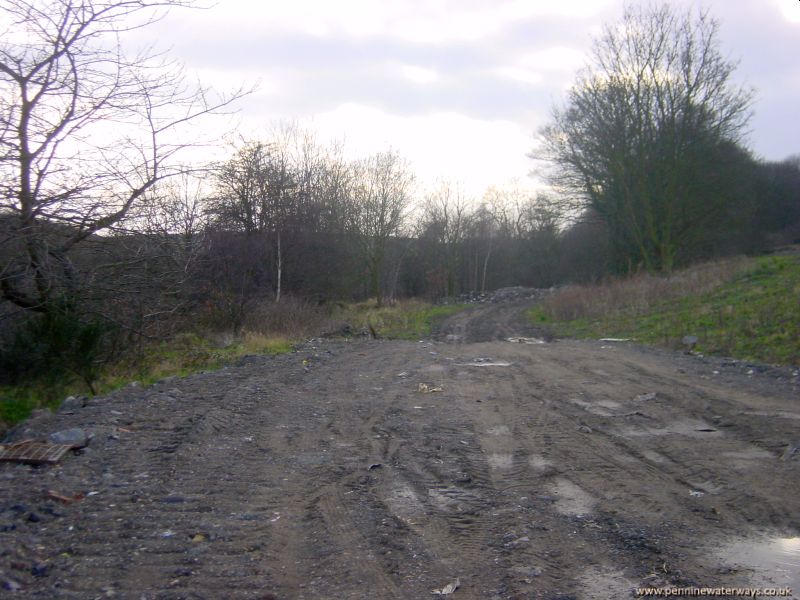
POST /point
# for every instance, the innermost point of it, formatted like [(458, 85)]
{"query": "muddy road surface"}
[(386, 469)]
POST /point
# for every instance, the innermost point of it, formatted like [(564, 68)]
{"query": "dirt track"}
[(538, 471)]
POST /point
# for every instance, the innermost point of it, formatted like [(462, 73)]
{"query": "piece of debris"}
[(448, 589), (198, 537), (647, 397), (424, 388), (403, 374), (374, 466), (790, 451), (615, 339), (76, 437), (696, 493), (525, 340), (53, 495), (585, 429), (32, 452)]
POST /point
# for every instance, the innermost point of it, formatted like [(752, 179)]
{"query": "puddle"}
[(774, 562), (441, 501), (780, 414), (752, 453), (604, 583), (571, 499), (609, 404), (453, 499), (485, 364), (655, 457), (707, 487), (603, 408), (539, 463), (750, 458), (687, 427), (404, 503), (498, 430), (541, 466), (500, 461)]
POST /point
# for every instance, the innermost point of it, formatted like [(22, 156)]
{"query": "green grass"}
[(753, 316), (183, 355), (404, 320), (188, 353)]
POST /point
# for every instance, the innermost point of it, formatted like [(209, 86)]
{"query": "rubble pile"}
[(508, 294)]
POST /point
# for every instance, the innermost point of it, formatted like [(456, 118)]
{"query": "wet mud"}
[(551, 470)]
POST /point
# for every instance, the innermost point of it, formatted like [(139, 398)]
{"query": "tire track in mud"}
[(589, 458), (328, 474)]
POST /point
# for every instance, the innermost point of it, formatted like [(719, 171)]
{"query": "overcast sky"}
[(458, 87)]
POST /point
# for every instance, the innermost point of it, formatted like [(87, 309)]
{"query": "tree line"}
[(108, 239)]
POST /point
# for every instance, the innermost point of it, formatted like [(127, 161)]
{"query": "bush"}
[(55, 345)]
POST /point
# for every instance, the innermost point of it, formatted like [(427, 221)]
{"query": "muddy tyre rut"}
[(553, 470)]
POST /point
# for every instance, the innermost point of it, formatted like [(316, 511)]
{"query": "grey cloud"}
[(322, 73)]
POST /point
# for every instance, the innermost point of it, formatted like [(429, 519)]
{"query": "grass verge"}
[(188, 353), (748, 309), (185, 354)]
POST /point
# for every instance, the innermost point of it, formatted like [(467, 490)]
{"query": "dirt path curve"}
[(556, 470)]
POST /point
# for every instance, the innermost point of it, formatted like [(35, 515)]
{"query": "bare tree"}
[(483, 231), (508, 207), (446, 221), (85, 132), (643, 137), (258, 193), (381, 194)]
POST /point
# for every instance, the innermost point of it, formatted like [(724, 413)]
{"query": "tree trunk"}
[(280, 268), (485, 267)]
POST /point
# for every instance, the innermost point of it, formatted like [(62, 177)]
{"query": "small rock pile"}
[(508, 294)]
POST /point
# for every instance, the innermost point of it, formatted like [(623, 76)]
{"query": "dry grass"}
[(744, 309), (637, 294), (408, 319), (291, 318), (268, 328)]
